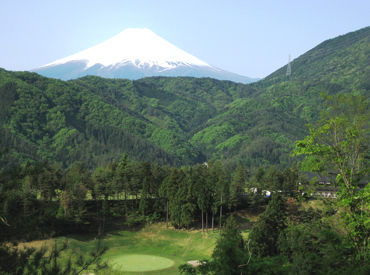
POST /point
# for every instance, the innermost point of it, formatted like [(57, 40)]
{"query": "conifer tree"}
[(228, 255), (263, 239)]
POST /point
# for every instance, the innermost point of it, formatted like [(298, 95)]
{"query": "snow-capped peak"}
[(134, 54), (140, 47)]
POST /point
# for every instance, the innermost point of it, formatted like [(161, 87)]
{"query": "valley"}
[(163, 170)]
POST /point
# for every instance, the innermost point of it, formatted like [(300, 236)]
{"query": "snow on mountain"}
[(138, 46), (133, 54)]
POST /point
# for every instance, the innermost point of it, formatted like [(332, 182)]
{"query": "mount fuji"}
[(134, 54)]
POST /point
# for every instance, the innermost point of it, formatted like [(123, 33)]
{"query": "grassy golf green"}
[(139, 263), (150, 250), (172, 247)]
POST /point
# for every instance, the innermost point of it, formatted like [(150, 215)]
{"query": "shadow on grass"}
[(112, 227)]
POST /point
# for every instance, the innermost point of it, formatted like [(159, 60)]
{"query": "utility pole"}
[(289, 68)]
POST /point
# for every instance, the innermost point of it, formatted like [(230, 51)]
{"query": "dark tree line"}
[(53, 200), (279, 243)]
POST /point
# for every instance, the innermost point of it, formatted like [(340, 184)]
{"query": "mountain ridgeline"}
[(177, 120), (134, 54)]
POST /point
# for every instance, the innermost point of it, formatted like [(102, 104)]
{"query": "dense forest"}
[(93, 154), (177, 121), (42, 200)]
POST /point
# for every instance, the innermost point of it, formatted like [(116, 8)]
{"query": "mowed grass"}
[(176, 246), (134, 262)]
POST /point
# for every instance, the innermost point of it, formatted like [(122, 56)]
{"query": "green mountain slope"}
[(176, 120), (261, 129), (335, 61), (47, 118), (94, 119)]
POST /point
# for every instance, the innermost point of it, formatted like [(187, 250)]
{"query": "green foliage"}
[(263, 239), (177, 120), (267, 265), (77, 182), (187, 269), (228, 255), (339, 143), (315, 247), (237, 186), (274, 179), (44, 261), (13, 261)]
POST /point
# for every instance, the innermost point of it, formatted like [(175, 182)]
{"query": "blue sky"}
[(251, 38)]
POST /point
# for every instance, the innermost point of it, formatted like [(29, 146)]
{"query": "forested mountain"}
[(262, 127), (178, 120), (94, 119)]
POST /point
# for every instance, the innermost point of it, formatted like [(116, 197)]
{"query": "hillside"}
[(262, 128), (179, 120), (94, 119)]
